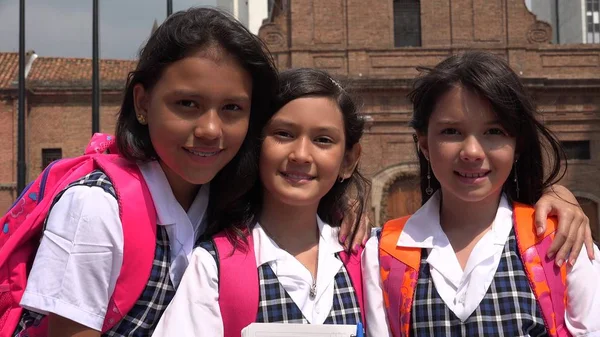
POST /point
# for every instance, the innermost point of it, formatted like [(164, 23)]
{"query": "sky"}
[(64, 27)]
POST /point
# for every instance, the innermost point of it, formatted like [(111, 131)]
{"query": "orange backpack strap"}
[(399, 268), (548, 281)]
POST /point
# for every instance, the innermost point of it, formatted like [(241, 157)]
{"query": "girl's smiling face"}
[(471, 154), (304, 152), (197, 114)]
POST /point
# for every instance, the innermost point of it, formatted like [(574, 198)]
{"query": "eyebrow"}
[(193, 94), (455, 122), (290, 124)]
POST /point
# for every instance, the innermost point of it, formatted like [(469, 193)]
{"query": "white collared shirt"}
[(463, 290), (182, 227), (81, 252), (195, 309)]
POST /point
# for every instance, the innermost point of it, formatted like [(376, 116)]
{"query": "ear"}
[(141, 97), (423, 145)]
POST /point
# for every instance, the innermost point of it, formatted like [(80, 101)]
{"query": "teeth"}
[(472, 175), (203, 154), (295, 176)]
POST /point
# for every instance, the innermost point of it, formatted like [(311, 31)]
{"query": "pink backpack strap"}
[(138, 217), (235, 265), (102, 143), (555, 308), (352, 263)]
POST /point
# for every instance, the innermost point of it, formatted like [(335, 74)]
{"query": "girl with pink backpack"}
[(191, 115)]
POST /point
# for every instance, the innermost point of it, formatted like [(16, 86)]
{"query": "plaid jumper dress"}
[(509, 308), (158, 293)]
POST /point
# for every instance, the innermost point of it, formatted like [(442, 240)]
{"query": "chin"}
[(298, 201), (476, 196), (200, 179)]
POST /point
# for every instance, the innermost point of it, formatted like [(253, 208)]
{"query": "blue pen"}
[(359, 330)]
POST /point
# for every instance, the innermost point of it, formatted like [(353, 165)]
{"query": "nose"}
[(301, 151), (472, 149), (208, 126)]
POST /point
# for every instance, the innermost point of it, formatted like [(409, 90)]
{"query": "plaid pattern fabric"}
[(158, 293), (276, 306), (509, 307), (345, 304), (141, 320), (28, 318)]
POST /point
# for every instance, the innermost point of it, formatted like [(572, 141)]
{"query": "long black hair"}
[(491, 78), (344, 197)]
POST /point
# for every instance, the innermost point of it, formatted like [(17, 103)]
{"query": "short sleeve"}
[(79, 258)]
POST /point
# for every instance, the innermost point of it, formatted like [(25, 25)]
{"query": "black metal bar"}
[(21, 166), (557, 18), (169, 7), (95, 70)]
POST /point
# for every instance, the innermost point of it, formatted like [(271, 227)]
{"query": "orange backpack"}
[(399, 269)]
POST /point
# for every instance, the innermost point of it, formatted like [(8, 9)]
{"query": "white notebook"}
[(298, 330)]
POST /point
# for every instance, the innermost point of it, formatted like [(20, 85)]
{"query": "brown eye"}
[(282, 134), (449, 131), (187, 103), (324, 140), (496, 131), (232, 107)]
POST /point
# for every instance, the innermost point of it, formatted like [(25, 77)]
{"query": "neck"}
[(184, 192), (293, 228), (468, 218)]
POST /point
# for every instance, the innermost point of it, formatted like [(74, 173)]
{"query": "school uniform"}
[(284, 295), (81, 252), (492, 295)]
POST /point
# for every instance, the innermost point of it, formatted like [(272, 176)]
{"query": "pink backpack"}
[(238, 283), (23, 225)]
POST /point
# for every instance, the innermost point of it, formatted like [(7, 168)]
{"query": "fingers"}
[(345, 229), (577, 245), (362, 233), (542, 210), (564, 241)]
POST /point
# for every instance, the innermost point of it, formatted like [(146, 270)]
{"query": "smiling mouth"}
[(203, 153), (296, 176), (472, 175)]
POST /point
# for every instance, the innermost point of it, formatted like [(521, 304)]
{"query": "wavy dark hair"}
[(490, 77), (182, 34), (344, 197)]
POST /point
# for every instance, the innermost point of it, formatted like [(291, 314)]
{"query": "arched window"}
[(407, 23), (403, 198)]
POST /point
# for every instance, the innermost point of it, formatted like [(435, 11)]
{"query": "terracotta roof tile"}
[(9, 64), (64, 73)]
